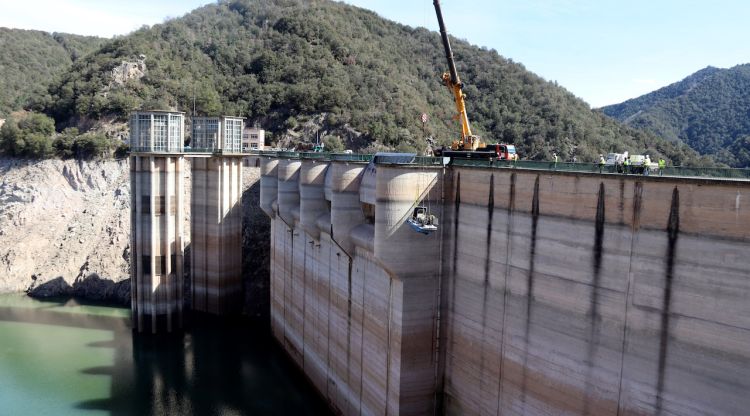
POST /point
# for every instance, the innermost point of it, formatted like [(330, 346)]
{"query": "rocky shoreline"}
[(65, 227), (93, 289)]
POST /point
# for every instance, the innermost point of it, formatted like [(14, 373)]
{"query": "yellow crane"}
[(468, 145), (468, 141)]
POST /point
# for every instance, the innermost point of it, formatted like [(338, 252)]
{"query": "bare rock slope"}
[(64, 228), (65, 231)]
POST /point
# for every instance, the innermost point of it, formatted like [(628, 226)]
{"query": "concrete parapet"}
[(401, 250), (269, 182), (367, 192), (328, 184), (412, 260), (312, 195), (157, 242), (346, 211), (288, 186)]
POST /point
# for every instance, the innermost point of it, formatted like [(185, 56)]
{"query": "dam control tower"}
[(157, 192), (158, 237), (216, 215)]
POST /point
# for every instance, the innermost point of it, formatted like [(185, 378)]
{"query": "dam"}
[(541, 292)]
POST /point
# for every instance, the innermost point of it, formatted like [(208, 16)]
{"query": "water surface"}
[(64, 358)]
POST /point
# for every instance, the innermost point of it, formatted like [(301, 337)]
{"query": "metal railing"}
[(728, 173), (351, 157), (263, 152), (148, 149), (534, 165), (314, 155), (187, 150), (288, 155), (681, 171)]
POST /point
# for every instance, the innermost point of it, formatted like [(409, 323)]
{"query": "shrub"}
[(29, 137), (333, 144), (91, 146), (65, 142)]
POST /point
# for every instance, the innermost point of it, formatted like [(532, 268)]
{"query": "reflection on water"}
[(64, 358)]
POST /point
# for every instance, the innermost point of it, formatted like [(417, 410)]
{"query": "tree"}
[(38, 146), (333, 144), (91, 146), (36, 123), (11, 142), (31, 136), (64, 143), (207, 100)]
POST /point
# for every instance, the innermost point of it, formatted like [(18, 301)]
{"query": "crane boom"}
[(451, 79), (446, 44)]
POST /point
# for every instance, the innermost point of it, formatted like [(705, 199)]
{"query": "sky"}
[(603, 51)]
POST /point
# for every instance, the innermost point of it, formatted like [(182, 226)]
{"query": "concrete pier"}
[(216, 217), (157, 218), (216, 235)]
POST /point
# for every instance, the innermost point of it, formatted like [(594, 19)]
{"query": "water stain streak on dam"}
[(541, 293)]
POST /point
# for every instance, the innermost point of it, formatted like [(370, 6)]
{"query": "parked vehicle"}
[(616, 161), (642, 164)]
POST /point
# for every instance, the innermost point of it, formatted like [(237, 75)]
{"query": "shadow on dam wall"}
[(552, 293)]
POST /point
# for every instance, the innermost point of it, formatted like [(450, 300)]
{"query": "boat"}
[(421, 221)]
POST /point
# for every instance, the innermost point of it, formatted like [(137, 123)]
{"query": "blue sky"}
[(603, 51)]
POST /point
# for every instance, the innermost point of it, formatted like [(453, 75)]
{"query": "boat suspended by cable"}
[(422, 221)]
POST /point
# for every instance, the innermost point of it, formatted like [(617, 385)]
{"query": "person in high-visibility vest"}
[(602, 162), (662, 165), (626, 165)]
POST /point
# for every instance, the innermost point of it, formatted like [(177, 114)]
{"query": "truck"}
[(468, 145), (642, 164), (638, 164)]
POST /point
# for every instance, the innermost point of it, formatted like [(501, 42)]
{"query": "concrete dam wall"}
[(541, 293)]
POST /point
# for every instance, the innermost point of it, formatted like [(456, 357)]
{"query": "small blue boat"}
[(422, 222)]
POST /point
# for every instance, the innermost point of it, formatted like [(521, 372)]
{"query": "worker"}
[(626, 165), (601, 163), (662, 165), (554, 157)]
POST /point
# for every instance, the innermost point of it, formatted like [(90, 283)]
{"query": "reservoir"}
[(64, 358)]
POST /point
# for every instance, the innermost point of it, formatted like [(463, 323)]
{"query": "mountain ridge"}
[(706, 110), (282, 63), (31, 58)]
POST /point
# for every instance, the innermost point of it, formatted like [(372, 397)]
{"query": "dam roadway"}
[(541, 293)]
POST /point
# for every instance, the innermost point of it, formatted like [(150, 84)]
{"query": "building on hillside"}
[(2, 121), (213, 134), (253, 138)]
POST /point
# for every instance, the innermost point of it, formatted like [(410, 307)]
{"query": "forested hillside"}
[(30, 59), (709, 111), (283, 63)]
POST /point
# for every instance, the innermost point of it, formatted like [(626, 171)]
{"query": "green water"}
[(63, 358)]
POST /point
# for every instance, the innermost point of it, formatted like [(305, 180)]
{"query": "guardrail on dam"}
[(541, 293)]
